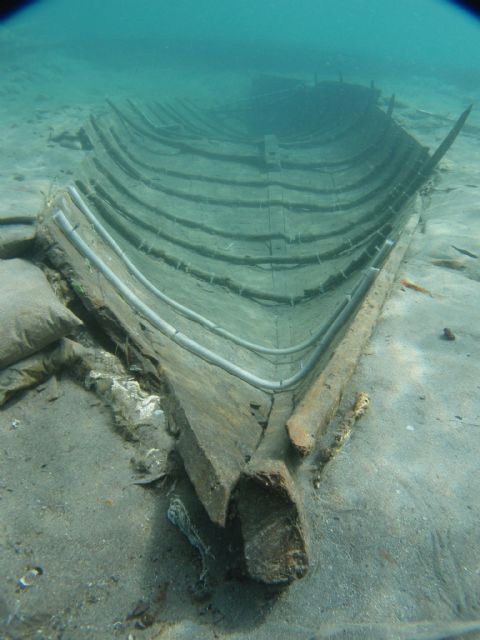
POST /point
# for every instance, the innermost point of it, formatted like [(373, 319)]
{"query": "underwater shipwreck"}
[(240, 252)]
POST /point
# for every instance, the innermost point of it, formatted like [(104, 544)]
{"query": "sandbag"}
[(31, 317), (38, 367)]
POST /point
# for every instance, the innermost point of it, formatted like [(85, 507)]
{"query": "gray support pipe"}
[(196, 317), (194, 347)]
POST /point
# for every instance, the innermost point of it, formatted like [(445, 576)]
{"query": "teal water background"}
[(407, 36)]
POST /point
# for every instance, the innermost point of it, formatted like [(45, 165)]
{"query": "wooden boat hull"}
[(229, 247)]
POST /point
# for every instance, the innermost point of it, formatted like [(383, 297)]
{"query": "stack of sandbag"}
[(33, 326)]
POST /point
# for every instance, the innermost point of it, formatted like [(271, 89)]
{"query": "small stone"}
[(448, 334)]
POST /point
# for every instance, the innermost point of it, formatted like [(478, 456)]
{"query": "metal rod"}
[(193, 315), (194, 347)]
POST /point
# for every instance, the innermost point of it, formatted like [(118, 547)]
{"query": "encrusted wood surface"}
[(273, 526)]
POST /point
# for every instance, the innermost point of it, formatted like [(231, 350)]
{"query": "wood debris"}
[(465, 252), (342, 434), (416, 287)]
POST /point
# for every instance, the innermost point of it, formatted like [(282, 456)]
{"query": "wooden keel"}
[(271, 510), (272, 521)]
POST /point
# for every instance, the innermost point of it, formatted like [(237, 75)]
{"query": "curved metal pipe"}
[(193, 315), (194, 347)]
